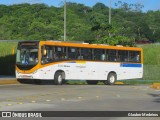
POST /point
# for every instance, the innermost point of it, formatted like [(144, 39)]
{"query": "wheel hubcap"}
[(59, 79), (112, 79)]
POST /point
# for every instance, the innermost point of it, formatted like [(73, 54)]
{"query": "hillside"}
[(39, 21)]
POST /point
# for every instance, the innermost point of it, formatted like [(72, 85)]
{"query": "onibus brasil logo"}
[(21, 114)]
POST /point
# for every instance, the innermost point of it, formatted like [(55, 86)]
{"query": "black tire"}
[(111, 79), (92, 82), (58, 78)]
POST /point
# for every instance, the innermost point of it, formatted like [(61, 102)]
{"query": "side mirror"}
[(44, 52)]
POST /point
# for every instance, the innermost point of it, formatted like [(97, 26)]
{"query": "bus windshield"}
[(27, 55)]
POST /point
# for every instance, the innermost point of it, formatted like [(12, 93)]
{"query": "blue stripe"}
[(130, 65)]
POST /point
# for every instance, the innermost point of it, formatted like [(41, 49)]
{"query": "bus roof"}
[(87, 45)]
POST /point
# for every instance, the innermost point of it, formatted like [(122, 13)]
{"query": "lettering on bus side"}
[(80, 66), (63, 66)]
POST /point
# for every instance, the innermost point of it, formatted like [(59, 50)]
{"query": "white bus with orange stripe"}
[(60, 61)]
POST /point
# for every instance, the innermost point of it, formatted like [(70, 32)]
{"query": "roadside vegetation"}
[(151, 61), (90, 24), (7, 58)]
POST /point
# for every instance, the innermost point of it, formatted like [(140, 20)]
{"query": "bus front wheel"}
[(58, 78), (111, 79)]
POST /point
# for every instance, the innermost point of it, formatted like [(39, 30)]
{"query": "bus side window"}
[(65, 53), (47, 57), (134, 56), (106, 55), (137, 56), (103, 55), (78, 54), (49, 53), (60, 53), (97, 54), (86, 53), (72, 53), (57, 53), (123, 55), (112, 55)]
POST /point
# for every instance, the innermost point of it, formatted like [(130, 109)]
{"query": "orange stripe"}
[(88, 45), (142, 59)]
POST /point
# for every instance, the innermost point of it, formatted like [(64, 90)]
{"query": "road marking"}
[(20, 103), (97, 96), (48, 100), (9, 105), (79, 97), (33, 101), (62, 99)]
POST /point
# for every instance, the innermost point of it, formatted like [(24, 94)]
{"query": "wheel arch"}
[(112, 72), (60, 71)]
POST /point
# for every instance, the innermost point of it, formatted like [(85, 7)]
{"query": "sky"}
[(148, 4)]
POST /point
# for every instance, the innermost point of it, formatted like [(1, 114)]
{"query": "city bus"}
[(60, 61)]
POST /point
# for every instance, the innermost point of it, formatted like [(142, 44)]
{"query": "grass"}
[(7, 58), (151, 54), (151, 61), (126, 82), (131, 82)]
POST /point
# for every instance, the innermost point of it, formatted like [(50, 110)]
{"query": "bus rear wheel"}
[(92, 82), (111, 79), (58, 78)]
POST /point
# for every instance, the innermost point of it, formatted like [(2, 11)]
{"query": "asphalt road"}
[(78, 97), (31, 97)]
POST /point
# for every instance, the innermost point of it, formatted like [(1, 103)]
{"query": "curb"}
[(155, 86), (119, 83), (8, 81), (14, 81)]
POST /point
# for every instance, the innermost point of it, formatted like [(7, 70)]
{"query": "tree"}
[(117, 40), (99, 6), (39, 21)]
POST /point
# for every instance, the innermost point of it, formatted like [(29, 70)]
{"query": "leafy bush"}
[(117, 40)]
